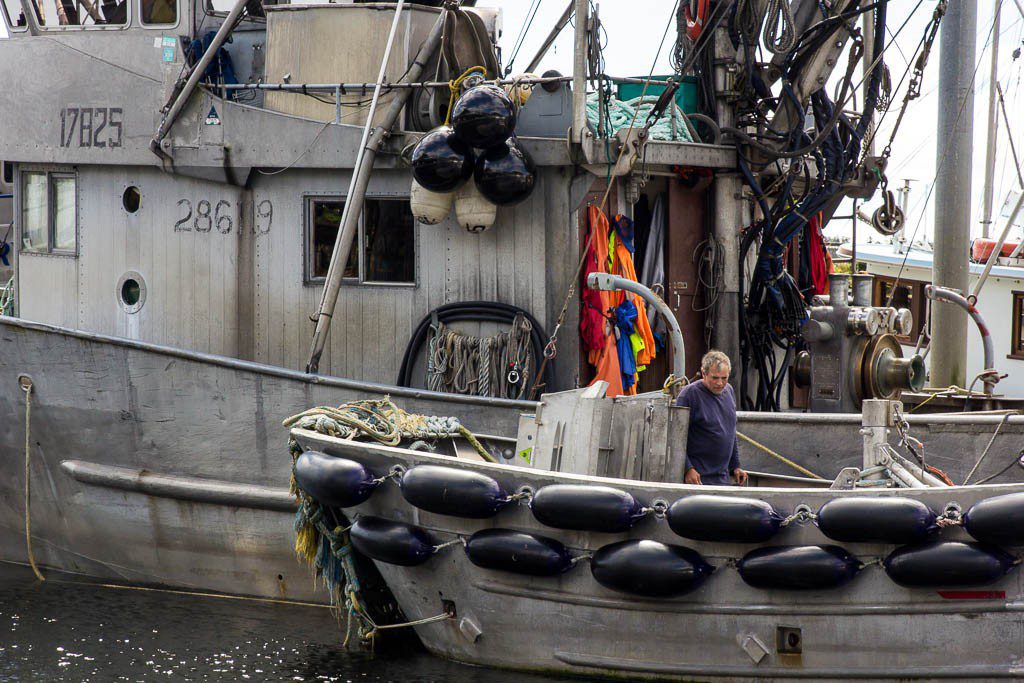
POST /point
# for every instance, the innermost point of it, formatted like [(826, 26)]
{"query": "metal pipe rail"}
[(949, 296), (610, 283), (366, 88)]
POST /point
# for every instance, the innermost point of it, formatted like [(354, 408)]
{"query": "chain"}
[(802, 514), (914, 88)]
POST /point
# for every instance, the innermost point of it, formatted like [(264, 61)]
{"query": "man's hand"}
[(739, 476), (692, 476)]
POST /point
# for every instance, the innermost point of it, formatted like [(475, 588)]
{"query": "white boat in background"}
[(1001, 305)]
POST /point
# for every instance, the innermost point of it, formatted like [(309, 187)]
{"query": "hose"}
[(477, 311)]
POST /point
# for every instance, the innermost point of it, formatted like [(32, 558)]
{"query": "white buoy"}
[(472, 210), (430, 208)]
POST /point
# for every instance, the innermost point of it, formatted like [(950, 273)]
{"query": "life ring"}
[(696, 13)]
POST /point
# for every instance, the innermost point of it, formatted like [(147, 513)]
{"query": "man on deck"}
[(712, 452)]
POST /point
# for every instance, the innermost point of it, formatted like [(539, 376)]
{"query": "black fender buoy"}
[(441, 162), (455, 492), (391, 542), (724, 519), (518, 552), (484, 116), (649, 568), (586, 508), (947, 564), (334, 482), (998, 520), (876, 520), (800, 567), (505, 174)]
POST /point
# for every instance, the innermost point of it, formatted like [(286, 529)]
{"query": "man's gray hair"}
[(712, 359)]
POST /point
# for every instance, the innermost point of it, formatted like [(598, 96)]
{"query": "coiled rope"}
[(498, 365), (26, 385), (779, 35), (379, 420)]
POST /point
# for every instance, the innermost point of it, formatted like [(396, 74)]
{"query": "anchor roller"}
[(448, 491), (518, 552), (649, 568), (334, 482), (391, 542), (806, 567), (949, 564), (723, 519), (586, 508), (876, 520)]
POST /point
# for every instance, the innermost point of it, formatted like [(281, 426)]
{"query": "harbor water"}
[(68, 629)]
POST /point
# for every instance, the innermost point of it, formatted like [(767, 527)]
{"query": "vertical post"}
[(953, 188), (868, 28), (877, 419), (729, 216), (993, 126), (579, 72)]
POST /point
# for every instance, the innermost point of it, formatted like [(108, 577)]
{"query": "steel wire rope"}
[(942, 162), (551, 349), (517, 45)]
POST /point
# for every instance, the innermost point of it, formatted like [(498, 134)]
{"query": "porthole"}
[(131, 199), (131, 292)]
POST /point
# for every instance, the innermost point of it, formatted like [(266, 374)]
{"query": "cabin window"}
[(71, 13), (1017, 338), (383, 251), (907, 294), (158, 12), (49, 213)]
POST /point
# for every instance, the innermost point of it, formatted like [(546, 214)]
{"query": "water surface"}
[(67, 629)]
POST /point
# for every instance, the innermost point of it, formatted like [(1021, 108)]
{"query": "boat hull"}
[(152, 465), (570, 624)]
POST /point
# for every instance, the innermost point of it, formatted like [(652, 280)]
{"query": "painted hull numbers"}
[(206, 215), (88, 127)]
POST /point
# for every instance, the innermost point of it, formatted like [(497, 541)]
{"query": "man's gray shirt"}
[(711, 446)]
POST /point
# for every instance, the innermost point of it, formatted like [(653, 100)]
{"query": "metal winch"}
[(853, 351)]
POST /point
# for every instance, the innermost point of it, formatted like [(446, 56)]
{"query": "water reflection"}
[(69, 630)]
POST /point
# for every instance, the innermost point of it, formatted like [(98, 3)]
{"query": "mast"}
[(728, 217), (993, 126), (579, 72), (953, 189)]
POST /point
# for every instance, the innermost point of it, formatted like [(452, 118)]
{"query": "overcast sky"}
[(635, 27)]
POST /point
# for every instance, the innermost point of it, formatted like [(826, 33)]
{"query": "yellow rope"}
[(26, 386), (453, 87), (781, 458)]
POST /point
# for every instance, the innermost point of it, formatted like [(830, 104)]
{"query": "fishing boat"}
[(181, 214), (615, 569)]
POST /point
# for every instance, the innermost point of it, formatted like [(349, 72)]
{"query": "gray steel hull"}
[(154, 465), (870, 628)]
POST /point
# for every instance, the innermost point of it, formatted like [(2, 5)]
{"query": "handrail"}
[(610, 283), (990, 377)]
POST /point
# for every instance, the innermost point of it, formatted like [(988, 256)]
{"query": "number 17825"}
[(87, 127)]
